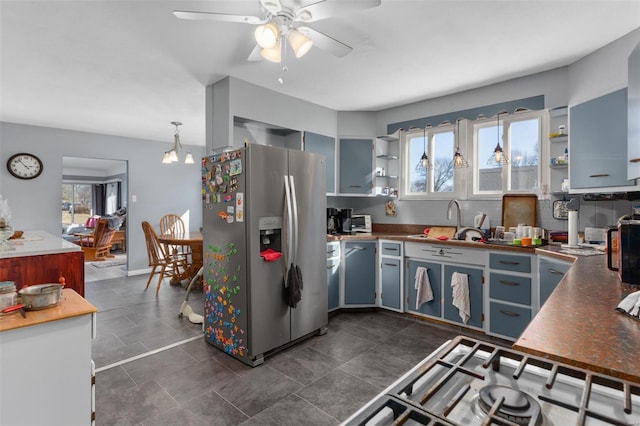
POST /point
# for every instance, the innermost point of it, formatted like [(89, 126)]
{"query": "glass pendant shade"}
[(458, 160), (165, 158), (188, 159), (267, 35), (272, 54), (299, 43)]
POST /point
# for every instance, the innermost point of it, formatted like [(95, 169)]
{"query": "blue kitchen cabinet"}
[(598, 143), (434, 272), (333, 275), (356, 166), (360, 273), (550, 272), (390, 283), (451, 313), (323, 145), (508, 320)]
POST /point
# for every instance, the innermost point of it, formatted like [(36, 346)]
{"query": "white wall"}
[(159, 188)]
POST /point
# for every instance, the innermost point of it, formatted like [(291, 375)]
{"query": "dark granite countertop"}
[(579, 326)]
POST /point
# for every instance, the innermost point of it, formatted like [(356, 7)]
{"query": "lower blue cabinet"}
[(390, 283), (508, 320), (333, 283), (360, 273), (434, 272), (474, 277)]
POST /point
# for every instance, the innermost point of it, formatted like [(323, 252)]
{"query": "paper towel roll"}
[(573, 228)]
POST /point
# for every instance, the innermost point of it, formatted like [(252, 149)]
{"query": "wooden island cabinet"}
[(39, 257)]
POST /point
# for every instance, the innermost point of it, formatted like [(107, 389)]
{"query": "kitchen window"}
[(519, 136), (437, 180)]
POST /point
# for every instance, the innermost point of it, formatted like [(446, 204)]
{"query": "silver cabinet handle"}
[(509, 262), (391, 249), (555, 271), (331, 251), (391, 264), (509, 313), (635, 160), (511, 283), (355, 186), (597, 175)]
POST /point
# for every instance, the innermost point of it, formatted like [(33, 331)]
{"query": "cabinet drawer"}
[(390, 249), (508, 320), (510, 262), (333, 249), (444, 253), (510, 288)]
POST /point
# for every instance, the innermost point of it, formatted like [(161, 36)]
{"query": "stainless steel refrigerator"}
[(264, 213)]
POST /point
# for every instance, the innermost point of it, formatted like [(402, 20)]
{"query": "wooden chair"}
[(169, 264), (97, 246), (172, 224)]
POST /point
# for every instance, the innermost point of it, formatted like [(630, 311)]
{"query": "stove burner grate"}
[(510, 404)]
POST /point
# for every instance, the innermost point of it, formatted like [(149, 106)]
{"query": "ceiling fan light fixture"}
[(267, 35), (299, 42), (272, 54)]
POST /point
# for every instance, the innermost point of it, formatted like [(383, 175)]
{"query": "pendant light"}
[(424, 163), (459, 161), (499, 157), (171, 156)]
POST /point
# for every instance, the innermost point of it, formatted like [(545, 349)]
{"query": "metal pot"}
[(40, 296)]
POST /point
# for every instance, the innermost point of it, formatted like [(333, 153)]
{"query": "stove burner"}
[(518, 406)]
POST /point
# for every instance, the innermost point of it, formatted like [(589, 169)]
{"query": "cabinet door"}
[(598, 142), (360, 273), (333, 283), (475, 295), (434, 272), (390, 283), (550, 274), (633, 115), (356, 166), (324, 145)]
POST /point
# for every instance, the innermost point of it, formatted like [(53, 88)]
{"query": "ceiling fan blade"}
[(221, 17), (324, 42), (255, 55), (324, 9)]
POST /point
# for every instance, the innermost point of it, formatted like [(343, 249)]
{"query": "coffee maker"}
[(338, 221)]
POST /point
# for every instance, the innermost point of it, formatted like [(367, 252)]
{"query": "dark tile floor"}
[(320, 381)]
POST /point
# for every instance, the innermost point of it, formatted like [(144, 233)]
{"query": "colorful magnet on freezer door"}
[(240, 207), (236, 167)]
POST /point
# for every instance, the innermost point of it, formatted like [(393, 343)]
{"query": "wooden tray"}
[(519, 209)]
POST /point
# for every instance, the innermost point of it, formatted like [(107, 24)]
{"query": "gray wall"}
[(159, 188)]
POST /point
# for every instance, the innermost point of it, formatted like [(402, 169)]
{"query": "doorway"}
[(92, 188)]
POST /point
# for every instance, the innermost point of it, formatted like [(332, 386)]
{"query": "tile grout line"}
[(146, 354)]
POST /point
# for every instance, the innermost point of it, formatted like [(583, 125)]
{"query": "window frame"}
[(406, 168), (506, 121)]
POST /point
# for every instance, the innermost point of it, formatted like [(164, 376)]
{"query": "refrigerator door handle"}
[(295, 219), (288, 220)]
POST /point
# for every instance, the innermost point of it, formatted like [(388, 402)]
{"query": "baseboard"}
[(131, 273)]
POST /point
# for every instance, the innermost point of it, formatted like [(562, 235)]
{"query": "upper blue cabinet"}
[(356, 166), (633, 115), (598, 144), (324, 145)]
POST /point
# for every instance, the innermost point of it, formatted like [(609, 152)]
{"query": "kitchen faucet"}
[(457, 204)]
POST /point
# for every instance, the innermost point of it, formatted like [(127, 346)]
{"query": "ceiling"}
[(130, 67)]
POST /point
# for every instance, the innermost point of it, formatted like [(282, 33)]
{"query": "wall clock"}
[(24, 166)]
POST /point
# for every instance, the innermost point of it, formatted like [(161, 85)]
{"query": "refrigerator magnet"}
[(240, 207), (230, 214)]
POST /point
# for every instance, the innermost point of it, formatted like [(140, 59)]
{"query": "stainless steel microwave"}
[(361, 223)]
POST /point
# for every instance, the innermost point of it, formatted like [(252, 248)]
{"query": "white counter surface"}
[(37, 242)]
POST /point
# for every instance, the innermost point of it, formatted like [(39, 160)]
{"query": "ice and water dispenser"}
[(270, 237)]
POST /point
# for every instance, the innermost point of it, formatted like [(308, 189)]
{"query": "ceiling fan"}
[(281, 25)]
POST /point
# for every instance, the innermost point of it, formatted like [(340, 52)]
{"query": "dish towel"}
[(630, 305), (460, 286), (422, 284)]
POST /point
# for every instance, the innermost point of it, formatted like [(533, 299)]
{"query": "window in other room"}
[(438, 144), (520, 138)]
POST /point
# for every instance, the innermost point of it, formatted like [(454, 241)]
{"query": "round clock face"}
[(24, 166)]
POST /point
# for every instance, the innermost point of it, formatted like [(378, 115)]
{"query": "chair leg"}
[(153, 271), (160, 279)]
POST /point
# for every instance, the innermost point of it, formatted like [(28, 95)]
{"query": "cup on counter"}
[(527, 232), (536, 241), (499, 232), (509, 236), (517, 242), (525, 241)]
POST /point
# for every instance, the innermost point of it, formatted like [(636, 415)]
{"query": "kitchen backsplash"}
[(598, 214)]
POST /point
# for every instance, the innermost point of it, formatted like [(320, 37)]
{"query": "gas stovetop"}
[(470, 382)]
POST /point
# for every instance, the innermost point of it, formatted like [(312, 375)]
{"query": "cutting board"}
[(519, 209), (437, 231)]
